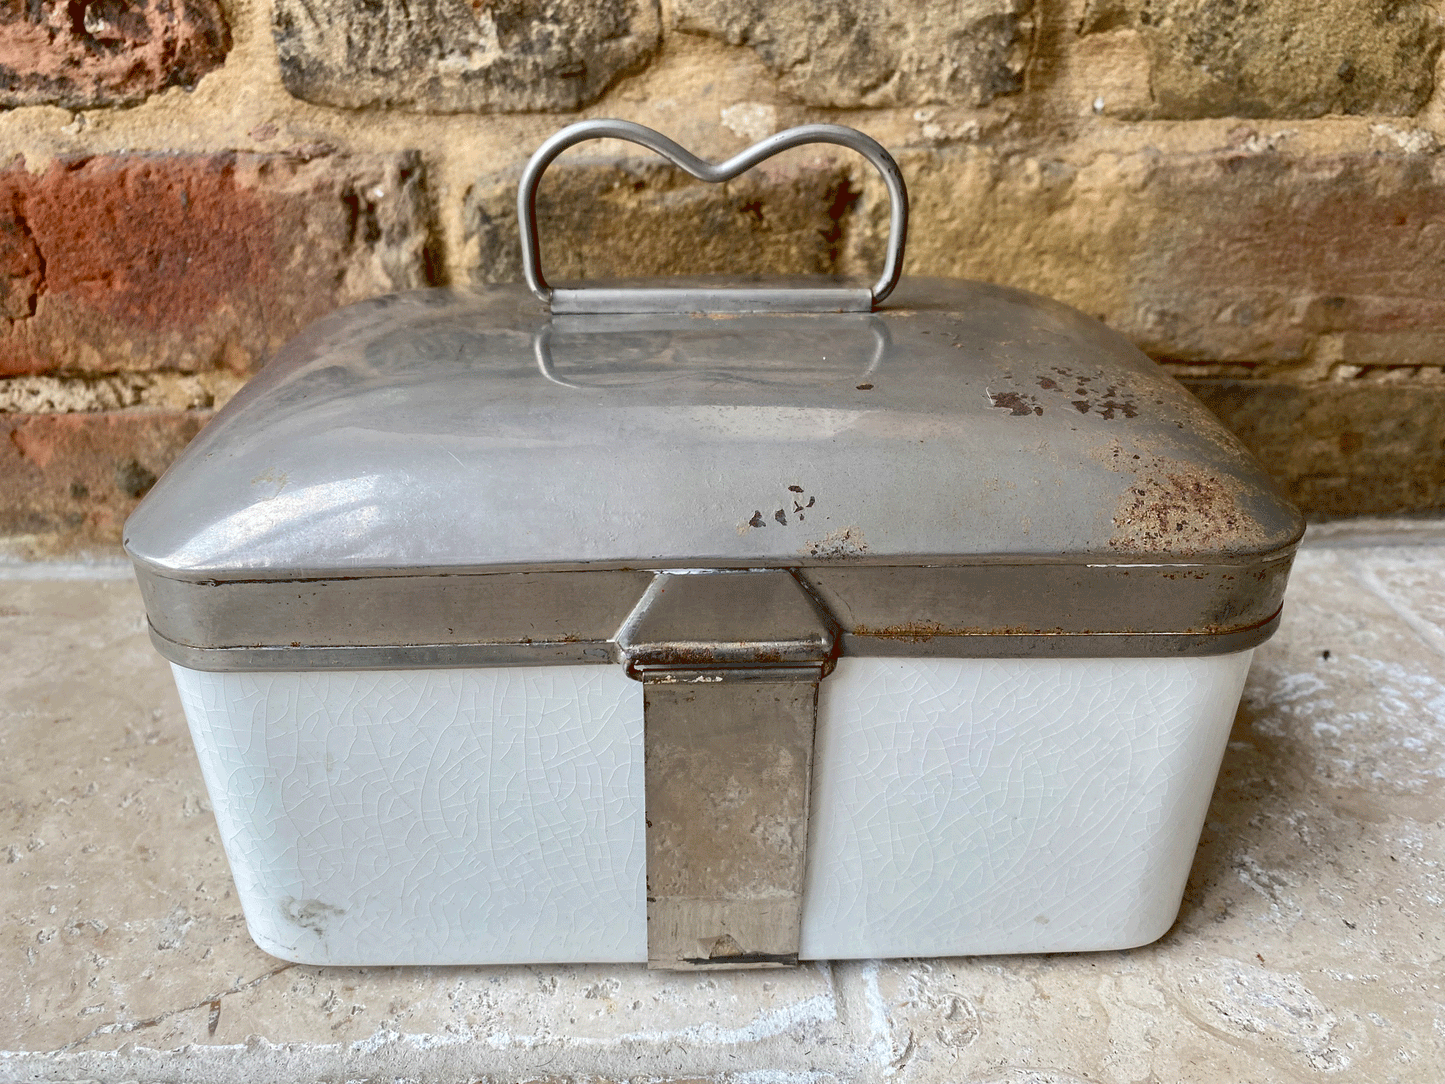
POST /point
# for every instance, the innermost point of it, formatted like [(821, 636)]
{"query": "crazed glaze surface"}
[(960, 806), (435, 816), (965, 806)]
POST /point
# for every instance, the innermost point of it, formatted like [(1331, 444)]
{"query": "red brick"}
[(196, 261), (85, 53), (20, 268), (68, 481)]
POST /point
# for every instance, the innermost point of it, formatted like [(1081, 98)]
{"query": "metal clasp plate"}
[(731, 663)]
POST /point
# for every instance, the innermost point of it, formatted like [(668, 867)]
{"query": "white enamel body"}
[(960, 806)]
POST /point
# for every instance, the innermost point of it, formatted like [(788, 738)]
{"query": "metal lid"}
[(467, 430), (989, 446)]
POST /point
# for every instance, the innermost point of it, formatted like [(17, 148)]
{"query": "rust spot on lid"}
[(912, 631), (844, 542), (917, 632), (1017, 405), (1182, 511)]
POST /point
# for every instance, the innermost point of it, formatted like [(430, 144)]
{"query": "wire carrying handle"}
[(679, 156)]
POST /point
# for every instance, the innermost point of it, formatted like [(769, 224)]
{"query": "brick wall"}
[(1254, 193)]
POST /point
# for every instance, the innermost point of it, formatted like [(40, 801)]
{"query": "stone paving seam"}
[(1426, 630)]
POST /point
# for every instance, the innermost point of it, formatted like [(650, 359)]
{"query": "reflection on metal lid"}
[(468, 429)]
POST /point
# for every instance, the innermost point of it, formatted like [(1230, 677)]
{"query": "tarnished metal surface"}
[(912, 640), (722, 620), (990, 609), (707, 300), (517, 608), (843, 334), (728, 771), (731, 664), (934, 611), (416, 433)]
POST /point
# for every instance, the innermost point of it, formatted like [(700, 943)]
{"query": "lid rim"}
[(148, 567), (1100, 645), (517, 617)]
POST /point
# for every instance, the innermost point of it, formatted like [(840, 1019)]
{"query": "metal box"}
[(710, 626)]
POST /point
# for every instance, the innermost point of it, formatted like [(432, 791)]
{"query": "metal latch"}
[(730, 663)]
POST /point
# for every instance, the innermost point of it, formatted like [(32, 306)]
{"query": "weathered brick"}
[(1341, 449), (1289, 58), (21, 269), (196, 261), (641, 218), (900, 52), (85, 53), (1286, 259), (67, 481), (73, 393), (1282, 261), (450, 56)]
